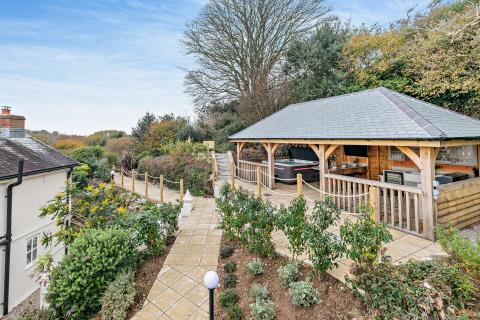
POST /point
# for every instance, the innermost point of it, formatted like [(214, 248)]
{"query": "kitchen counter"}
[(349, 171)]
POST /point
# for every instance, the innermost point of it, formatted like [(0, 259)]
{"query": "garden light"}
[(210, 281)]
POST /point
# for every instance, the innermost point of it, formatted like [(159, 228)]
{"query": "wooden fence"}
[(459, 203), (397, 205)]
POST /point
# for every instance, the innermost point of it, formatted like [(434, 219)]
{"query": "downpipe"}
[(7, 238)]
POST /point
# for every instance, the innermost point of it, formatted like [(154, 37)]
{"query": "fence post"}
[(259, 182), (233, 176), (373, 201), (213, 174), (133, 180), (121, 176), (181, 189), (161, 188), (146, 184), (299, 185)]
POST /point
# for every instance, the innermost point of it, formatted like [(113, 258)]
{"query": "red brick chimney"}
[(8, 120)]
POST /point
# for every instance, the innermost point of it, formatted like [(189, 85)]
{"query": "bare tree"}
[(239, 45)]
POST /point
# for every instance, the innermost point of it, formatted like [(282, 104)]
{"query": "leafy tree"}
[(239, 45), (140, 130), (164, 131), (315, 62)]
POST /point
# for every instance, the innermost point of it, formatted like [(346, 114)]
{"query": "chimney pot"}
[(6, 110)]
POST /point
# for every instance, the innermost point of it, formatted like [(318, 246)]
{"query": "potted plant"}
[(333, 161)]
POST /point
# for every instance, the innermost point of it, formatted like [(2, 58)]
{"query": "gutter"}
[(7, 242)]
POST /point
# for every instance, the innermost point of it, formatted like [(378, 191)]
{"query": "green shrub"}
[(80, 175), (259, 292), (289, 273), (235, 312), (102, 170), (230, 280), (194, 172), (304, 294), (231, 210), (94, 259), (323, 247), (414, 290), (255, 267), (226, 251), (230, 267), (292, 221), (461, 249), (263, 309), (247, 218), (257, 235), (228, 298), (94, 157), (152, 224), (118, 297), (365, 237)]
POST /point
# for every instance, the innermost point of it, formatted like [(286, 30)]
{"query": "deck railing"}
[(397, 205), (247, 170)]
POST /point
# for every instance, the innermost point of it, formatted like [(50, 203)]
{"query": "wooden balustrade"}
[(247, 170), (397, 205)]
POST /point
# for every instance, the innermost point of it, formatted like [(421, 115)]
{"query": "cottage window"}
[(32, 246)]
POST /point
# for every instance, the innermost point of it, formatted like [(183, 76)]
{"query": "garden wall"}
[(459, 203)]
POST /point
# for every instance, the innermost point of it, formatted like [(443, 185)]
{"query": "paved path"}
[(178, 292)]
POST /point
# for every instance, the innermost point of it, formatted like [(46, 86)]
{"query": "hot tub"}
[(289, 168)]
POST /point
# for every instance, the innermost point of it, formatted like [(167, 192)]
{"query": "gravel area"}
[(31, 302), (472, 233)]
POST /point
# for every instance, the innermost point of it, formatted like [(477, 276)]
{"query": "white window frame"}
[(32, 252)]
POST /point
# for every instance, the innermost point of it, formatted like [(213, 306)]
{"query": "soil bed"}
[(145, 276), (337, 300)]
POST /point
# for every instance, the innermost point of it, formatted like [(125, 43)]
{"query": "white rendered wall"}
[(28, 198)]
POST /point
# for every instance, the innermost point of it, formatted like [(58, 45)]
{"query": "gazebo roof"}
[(375, 114)]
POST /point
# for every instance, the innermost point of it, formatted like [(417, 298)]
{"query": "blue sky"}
[(82, 66)]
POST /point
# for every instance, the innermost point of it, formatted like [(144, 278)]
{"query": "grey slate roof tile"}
[(370, 114), (38, 157)]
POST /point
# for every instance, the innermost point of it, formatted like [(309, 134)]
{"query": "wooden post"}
[(161, 188), (146, 184), (133, 180), (121, 176), (373, 201), (181, 189), (299, 185), (427, 176), (233, 176), (259, 182)]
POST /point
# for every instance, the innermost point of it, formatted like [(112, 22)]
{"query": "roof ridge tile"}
[(416, 117)]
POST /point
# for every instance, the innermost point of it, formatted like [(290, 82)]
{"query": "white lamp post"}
[(210, 281)]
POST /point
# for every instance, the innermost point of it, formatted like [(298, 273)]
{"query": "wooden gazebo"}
[(398, 131)]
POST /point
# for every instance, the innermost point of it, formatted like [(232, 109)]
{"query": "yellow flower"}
[(121, 210)]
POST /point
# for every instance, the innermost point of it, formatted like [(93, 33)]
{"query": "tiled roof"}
[(371, 114), (38, 157)]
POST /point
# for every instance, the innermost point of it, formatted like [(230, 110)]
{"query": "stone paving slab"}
[(178, 292)]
